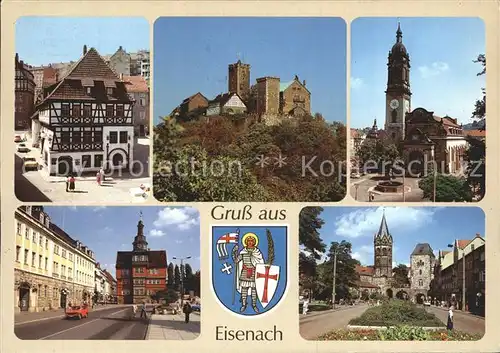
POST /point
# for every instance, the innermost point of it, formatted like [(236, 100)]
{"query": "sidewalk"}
[(324, 312), (468, 313), (173, 327), (26, 317)]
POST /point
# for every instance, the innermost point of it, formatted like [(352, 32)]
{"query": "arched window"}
[(420, 272), (420, 283)]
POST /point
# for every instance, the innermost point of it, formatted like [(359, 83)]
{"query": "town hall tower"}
[(398, 94)]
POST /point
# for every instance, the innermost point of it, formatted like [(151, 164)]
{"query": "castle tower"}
[(268, 95), (422, 262), (382, 243), (239, 79), (140, 243), (398, 94)]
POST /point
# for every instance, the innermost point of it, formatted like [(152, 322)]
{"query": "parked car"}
[(78, 312), (196, 307), (355, 175), (30, 163), (18, 138), (427, 303), (22, 148)]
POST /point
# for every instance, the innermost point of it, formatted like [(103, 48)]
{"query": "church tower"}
[(382, 243), (239, 79), (140, 243), (398, 94)]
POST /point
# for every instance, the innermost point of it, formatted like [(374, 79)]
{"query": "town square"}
[(365, 273), (411, 138), (137, 279), (82, 110)]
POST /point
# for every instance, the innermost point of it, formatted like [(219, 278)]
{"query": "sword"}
[(235, 266)]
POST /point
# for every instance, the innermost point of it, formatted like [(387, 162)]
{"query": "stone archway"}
[(389, 293), (24, 290), (402, 294), (419, 298)]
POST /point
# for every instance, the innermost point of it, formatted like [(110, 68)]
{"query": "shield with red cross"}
[(266, 282)]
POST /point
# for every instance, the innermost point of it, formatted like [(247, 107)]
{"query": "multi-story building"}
[(85, 120), (450, 272), (109, 287), (138, 90), (140, 273), (52, 269), (100, 284), (24, 95)]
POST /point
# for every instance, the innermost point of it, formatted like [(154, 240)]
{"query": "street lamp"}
[(463, 274), (182, 275), (334, 277)]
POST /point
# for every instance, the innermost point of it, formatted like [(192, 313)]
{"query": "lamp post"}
[(463, 274), (356, 186), (334, 277), (182, 275)]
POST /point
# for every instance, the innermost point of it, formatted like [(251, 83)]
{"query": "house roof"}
[(186, 100), (90, 71), (109, 276), (222, 99), (365, 270), (463, 243), (156, 259), (422, 249), (136, 84), (285, 85), (475, 133), (383, 230)]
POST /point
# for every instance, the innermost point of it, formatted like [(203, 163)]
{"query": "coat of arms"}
[(249, 267)]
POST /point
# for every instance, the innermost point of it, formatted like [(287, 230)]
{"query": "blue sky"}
[(442, 75), (437, 226), (44, 40), (192, 55), (106, 230)]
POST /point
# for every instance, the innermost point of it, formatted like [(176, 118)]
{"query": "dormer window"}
[(41, 218), (89, 90), (28, 209), (47, 222), (109, 91)]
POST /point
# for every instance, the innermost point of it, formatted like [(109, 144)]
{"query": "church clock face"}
[(394, 104)]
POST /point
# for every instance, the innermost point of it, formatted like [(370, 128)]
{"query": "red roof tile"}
[(365, 270), (463, 243), (475, 133), (136, 84)]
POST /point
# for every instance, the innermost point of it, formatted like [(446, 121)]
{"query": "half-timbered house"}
[(85, 121)]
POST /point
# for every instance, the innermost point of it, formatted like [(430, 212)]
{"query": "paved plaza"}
[(361, 188)]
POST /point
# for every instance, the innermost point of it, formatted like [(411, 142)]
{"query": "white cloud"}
[(156, 233), (364, 254), (356, 82), (183, 218), (366, 221), (436, 68)]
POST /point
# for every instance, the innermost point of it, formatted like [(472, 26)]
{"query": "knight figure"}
[(246, 261)]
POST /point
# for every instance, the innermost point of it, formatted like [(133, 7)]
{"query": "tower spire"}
[(140, 243), (399, 33)]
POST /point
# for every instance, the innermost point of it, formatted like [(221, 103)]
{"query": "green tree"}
[(177, 278), (169, 296), (311, 244), (400, 277), (380, 154), (197, 283), (346, 276), (188, 278), (476, 153), (170, 275), (449, 188)]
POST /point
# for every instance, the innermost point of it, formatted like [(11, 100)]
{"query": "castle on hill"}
[(269, 98)]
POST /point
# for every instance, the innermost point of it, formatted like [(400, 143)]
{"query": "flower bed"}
[(397, 313), (400, 333)]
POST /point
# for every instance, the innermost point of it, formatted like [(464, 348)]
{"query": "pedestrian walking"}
[(67, 183), (98, 178), (143, 310), (101, 173), (72, 183), (187, 309), (449, 324), (305, 307)]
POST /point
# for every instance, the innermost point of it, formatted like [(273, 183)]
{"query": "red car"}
[(78, 312)]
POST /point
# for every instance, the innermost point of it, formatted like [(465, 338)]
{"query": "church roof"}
[(365, 270), (399, 48), (156, 259), (383, 230), (422, 249)]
